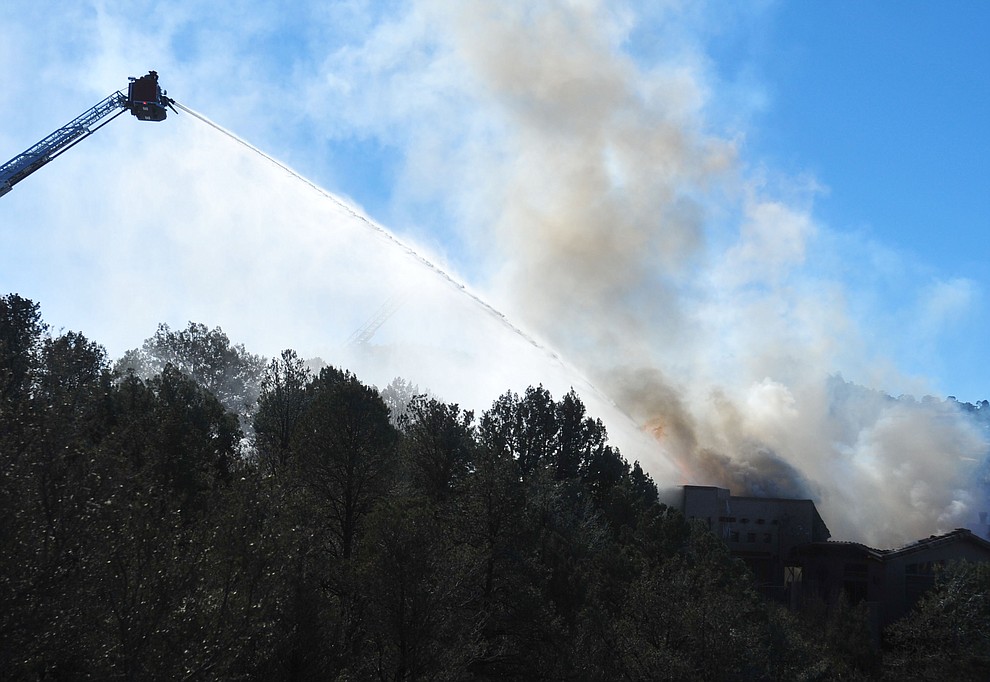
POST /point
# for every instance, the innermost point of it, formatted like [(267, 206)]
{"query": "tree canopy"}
[(145, 538)]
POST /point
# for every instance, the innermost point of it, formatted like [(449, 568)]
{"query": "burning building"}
[(786, 545), (762, 531)]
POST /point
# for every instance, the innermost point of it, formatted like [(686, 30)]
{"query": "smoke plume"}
[(620, 226), (580, 159)]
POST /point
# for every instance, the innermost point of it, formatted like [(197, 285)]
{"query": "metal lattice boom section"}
[(364, 334), (76, 130)]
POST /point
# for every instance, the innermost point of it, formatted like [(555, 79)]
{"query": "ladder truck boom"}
[(145, 99)]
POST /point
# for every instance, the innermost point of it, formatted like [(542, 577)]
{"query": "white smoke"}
[(595, 192), (618, 224)]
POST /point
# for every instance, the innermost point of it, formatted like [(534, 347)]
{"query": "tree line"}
[(193, 511)]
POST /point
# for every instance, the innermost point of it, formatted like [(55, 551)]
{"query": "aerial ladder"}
[(145, 99), (363, 335)]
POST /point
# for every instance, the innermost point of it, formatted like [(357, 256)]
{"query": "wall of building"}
[(761, 531), (910, 571), (784, 543)]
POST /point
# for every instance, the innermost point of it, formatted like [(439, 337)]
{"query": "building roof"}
[(760, 498), (841, 547), (958, 535)]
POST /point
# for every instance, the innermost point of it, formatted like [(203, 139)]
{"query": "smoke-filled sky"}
[(703, 215)]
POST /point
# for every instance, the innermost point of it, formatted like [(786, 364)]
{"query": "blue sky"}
[(879, 108), (887, 105), (869, 115), (707, 208)]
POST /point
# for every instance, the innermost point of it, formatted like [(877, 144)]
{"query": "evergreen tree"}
[(947, 636), (345, 451), (281, 404)]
